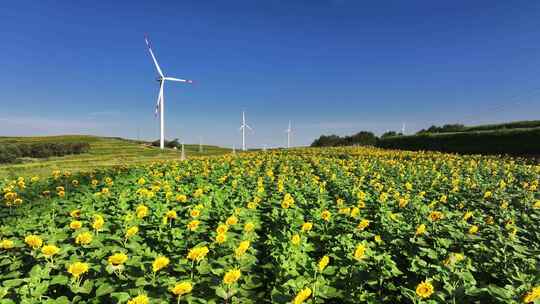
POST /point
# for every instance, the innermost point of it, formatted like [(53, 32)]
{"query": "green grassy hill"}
[(104, 152)]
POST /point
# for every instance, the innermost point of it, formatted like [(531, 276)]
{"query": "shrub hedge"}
[(362, 138), (502, 141), (168, 143), (451, 128), (13, 151), (524, 124)]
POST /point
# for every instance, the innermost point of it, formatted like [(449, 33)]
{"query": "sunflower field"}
[(335, 225)]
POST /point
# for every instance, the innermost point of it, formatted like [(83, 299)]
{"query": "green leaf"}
[(59, 280), (13, 283), (86, 288), (120, 296), (104, 289), (62, 300), (444, 242), (36, 271), (141, 282), (40, 289), (3, 292), (499, 292), (220, 292), (328, 292), (203, 268), (330, 270)]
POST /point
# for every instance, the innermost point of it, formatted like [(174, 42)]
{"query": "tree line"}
[(12, 152), (451, 128), (515, 138), (362, 138)]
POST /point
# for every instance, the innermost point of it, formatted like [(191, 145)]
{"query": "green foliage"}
[(278, 192), (168, 143), (362, 138), (444, 129), (105, 152), (450, 128), (511, 125), (10, 152), (503, 141), (390, 134), (515, 138)]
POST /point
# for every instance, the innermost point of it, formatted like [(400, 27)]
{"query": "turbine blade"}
[(249, 127), (160, 97), (153, 57), (177, 79)]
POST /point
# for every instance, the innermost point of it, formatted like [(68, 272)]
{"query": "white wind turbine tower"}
[(161, 99), (289, 132), (243, 129), (403, 129), (183, 154)]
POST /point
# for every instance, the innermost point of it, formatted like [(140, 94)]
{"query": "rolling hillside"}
[(104, 152)]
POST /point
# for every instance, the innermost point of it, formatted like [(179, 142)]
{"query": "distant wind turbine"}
[(289, 132), (183, 154), (243, 129), (161, 98), (403, 129)]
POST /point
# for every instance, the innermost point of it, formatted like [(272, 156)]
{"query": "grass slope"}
[(104, 152)]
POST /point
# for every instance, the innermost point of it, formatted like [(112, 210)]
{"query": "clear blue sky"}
[(331, 66)]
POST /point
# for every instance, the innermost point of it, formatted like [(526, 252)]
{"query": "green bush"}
[(525, 124), (168, 143), (362, 138), (503, 141), (451, 128), (9, 153)]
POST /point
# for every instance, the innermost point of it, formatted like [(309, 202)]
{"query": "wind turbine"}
[(403, 129), (183, 155), (161, 98), (243, 129), (289, 132)]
